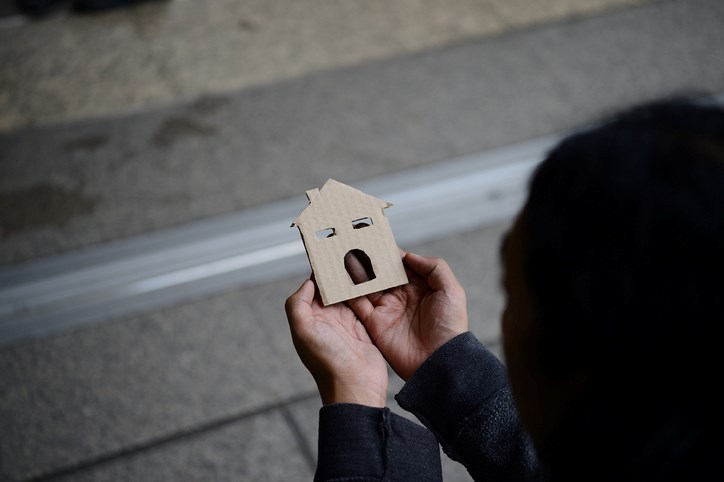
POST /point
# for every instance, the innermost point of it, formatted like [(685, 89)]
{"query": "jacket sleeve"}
[(461, 394), (359, 443)]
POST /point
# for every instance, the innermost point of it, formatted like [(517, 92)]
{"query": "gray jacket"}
[(461, 395)]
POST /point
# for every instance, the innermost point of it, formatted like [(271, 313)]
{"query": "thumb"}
[(300, 300), (435, 271)]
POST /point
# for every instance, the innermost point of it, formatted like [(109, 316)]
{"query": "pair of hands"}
[(346, 346)]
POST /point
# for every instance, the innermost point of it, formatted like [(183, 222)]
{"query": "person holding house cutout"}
[(614, 279)]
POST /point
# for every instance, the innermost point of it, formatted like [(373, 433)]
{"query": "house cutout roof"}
[(341, 219)]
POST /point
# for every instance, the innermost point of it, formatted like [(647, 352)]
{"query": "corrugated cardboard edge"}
[(332, 212)]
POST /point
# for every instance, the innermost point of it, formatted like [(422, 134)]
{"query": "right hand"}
[(336, 349), (408, 323)]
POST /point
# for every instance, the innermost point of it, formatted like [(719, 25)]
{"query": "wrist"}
[(342, 393)]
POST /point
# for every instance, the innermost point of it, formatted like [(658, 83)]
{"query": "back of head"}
[(625, 262)]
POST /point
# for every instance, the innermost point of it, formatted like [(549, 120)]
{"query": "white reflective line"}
[(203, 257), (118, 271), (219, 267)]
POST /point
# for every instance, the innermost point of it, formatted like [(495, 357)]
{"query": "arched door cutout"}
[(358, 266)]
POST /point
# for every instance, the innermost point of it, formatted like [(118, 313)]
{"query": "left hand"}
[(336, 349), (409, 322)]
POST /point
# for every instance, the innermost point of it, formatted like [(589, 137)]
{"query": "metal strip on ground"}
[(188, 262)]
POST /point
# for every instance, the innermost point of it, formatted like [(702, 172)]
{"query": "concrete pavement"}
[(164, 52)]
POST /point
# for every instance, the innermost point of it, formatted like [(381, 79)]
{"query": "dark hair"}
[(624, 229)]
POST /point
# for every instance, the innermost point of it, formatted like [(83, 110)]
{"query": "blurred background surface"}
[(153, 156)]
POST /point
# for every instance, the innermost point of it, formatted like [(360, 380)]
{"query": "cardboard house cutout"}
[(338, 220)]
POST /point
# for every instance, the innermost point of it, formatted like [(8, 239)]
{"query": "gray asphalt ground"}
[(212, 389)]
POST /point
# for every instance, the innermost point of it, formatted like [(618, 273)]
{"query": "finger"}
[(356, 269), (412, 274), (300, 301), (316, 295), (359, 272), (362, 307), (435, 271)]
